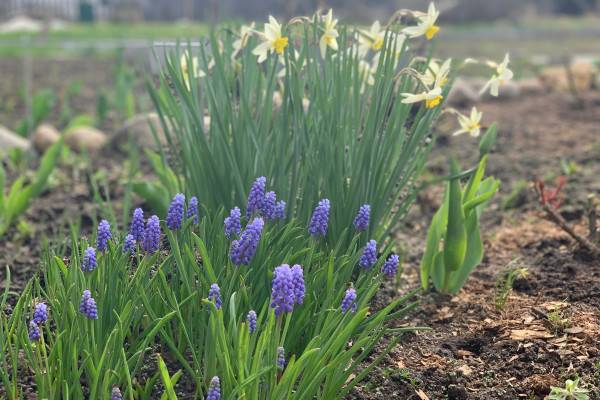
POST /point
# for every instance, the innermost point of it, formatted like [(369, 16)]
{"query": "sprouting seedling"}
[(506, 280), (551, 196), (571, 391)]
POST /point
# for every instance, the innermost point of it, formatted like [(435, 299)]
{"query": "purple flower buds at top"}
[(251, 318), (320, 219), (280, 358), (282, 292), (269, 205), (116, 394), (214, 389), (369, 256), (390, 267), (192, 210), (256, 197), (175, 213), (243, 249), (137, 225), (129, 244), (361, 222), (40, 313), (151, 240), (104, 235), (298, 280), (34, 331), (279, 210), (349, 301), (233, 225), (89, 260), (214, 294), (88, 305)]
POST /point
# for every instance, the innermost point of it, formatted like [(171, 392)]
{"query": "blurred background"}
[(62, 60)]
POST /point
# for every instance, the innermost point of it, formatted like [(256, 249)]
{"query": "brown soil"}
[(549, 328)]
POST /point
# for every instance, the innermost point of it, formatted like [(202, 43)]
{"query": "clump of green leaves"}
[(571, 391), (42, 104), (454, 246), (16, 200), (505, 282)]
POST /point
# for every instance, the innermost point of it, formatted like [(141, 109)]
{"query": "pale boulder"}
[(44, 136), (86, 138)]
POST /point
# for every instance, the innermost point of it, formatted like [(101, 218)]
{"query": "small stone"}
[(86, 138), (10, 140), (531, 86), (462, 93), (44, 136)]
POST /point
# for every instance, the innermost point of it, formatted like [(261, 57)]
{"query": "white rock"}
[(86, 137), (10, 140), (44, 136), (21, 24)]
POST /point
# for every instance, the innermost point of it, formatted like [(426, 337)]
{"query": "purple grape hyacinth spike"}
[(34, 331), (40, 313), (214, 389), (89, 262), (349, 301), (269, 205), (88, 305), (282, 292), (175, 213), (279, 212), (129, 244), (115, 394), (251, 318), (137, 226), (233, 224), (192, 210), (280, 358), (256, 197), (390, 267), (104, 236), (298, 280), (369, 256), (243, 249), (361, 222), (320, 219), (214, 294), (151, 241)]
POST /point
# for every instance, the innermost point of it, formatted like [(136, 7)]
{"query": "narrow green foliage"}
[(505, 282)]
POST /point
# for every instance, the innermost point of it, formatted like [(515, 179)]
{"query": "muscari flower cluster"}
[(264, 203), (214, 389), (116, 394), (40, 316), (175, 213), (369, 256), (136, 228), (233, 224), (89, 260), (320, 219), (192, 210), (129, 244), (243, 249), (287, 288), (349, 301), (104, 236), (88, 305), (251, 318), (361, 222), (151, 239), (390, 267), (214, 294), (280, 358)]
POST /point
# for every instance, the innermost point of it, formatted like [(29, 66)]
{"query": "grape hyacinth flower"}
[(361, 222), (349, 301), (298, 281), (88, 305), (279, 212), (136, 228), (175, 213), (243, 249), (282, 292), (251, 318), (40, 313), (390, 267), (233, 225), (214, 294), (192, 210), (151, 240), (280, 358), (256, 197), (214, 389), (369, 256), (268, 205), (115, 394), (34, 331), (129, 244), (89, 260), (320, 219), (104, 235)]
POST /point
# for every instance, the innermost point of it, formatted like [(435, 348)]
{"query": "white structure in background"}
[(53, 9)]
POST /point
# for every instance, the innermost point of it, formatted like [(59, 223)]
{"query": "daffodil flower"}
[(185, 68), (330, 34), (396, 50), (436, 74), (242, 40), (470, 124), (273, 40), (502, 75), (431, 97), (371, 39), (426, 25)]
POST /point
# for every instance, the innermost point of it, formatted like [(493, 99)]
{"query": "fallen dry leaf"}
[(574, 330), (524, 334), (421, 394)]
